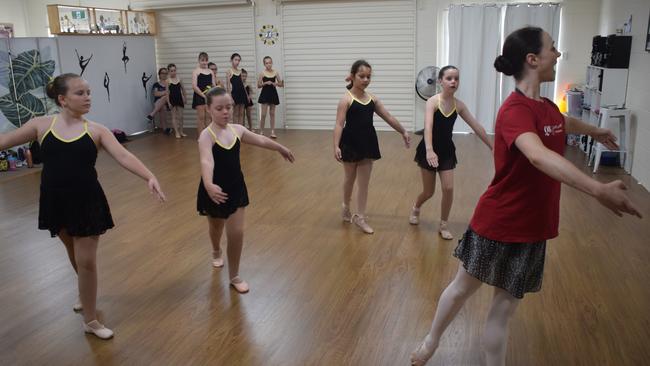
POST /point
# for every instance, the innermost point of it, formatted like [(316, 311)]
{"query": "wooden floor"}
[(322, 292)]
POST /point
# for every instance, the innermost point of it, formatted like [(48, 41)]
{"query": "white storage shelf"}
[(605, 88)]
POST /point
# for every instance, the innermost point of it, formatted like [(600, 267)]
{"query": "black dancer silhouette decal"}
[(107, 81), (145, 80), (125, 58), (83, 62)]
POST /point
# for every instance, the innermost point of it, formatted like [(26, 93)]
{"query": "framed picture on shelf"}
[(140, 22), (64, 20), (74, 19), (108, 21), (6, 30)]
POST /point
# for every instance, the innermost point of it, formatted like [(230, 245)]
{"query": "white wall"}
[(129, 103), (614, 14), (13, 11), (267, 12), (580, 22)]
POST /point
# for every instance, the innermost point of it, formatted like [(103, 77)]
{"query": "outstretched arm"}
[(392, 121), (467, 116), (602, 135), (252, 138), (127, 160), (26, 133), (611, 195)]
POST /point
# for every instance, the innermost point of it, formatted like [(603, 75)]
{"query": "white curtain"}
[(474, 35), (545, 16), (474, 40)]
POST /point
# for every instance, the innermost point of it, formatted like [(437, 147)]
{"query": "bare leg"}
[(235, 234), (265, 108), (215, 226), (495, 337), (447, 183), (237, 114), (200, 119), (272, 118), (69, 247), (451, 301), (350, 171), (249, 117), (163, 119), (181, 121), (85, 252), (158, 106), (364, 168), (175, 113), (428, 188), (68, 242)]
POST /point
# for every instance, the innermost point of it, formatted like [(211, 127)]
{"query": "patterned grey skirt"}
[(515, 267)]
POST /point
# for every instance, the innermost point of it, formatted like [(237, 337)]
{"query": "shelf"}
[(80, 20)]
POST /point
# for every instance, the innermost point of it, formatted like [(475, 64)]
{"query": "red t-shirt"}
[(522, 204)]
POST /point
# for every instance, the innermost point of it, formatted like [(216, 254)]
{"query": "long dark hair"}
[(355, 69), (517, 45), (442, 71)]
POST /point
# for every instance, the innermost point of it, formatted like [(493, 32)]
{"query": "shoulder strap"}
[(214, 136)]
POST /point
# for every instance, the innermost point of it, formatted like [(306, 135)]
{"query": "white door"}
[(218, 30), (321, 41)]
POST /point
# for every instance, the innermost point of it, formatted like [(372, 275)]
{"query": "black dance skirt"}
[(357, 145), (446, 161), (515, 267), (82, 211), (237, 197)]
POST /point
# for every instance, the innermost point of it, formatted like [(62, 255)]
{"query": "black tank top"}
[(68, 164), (203, 81), (265, 79), (443, 128), (236, 82), (227, 172), (359, 116), (175, 95)]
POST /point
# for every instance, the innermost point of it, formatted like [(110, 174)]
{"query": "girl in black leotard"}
[(436, 151), (235, 86), (355, 139), (222, 193), (177, 101), (72, 202), (202, 80), (248, 109), (268, 80)]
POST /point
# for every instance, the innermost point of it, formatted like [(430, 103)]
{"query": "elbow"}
[(536, 159)]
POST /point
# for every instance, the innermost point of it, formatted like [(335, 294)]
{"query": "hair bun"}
[(49, 89), (503, 65)]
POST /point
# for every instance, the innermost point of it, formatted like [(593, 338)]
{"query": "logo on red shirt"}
[(552, 129)]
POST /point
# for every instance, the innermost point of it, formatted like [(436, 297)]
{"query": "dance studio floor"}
[(322, 292)]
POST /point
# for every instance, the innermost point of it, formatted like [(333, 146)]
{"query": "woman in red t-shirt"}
[(505, 243)]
